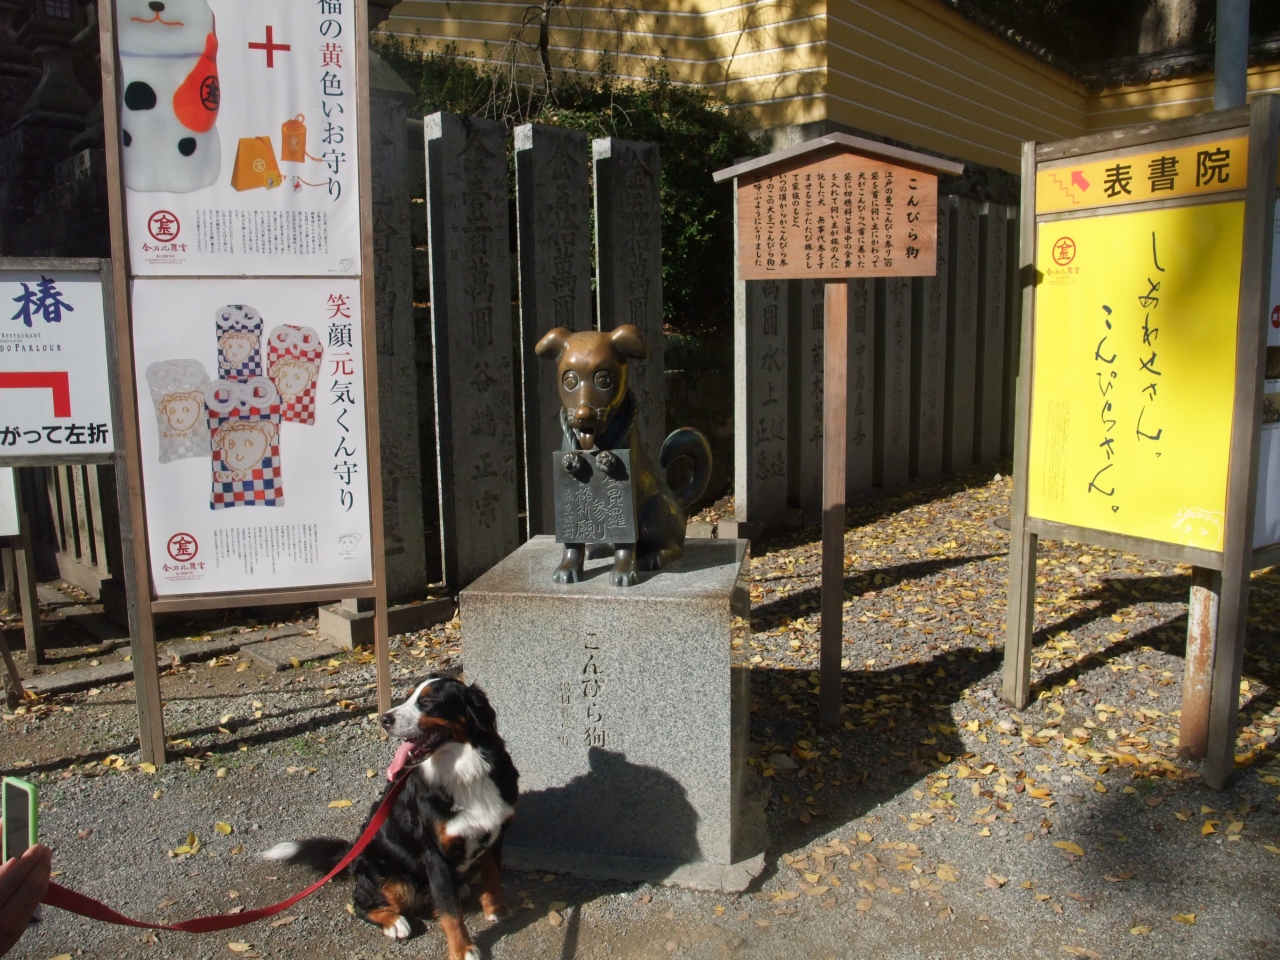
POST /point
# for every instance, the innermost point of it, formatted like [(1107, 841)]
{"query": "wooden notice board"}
[(837, 216), (836, 208), (1146, 264)]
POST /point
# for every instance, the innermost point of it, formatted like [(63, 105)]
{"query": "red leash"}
[(61, 897)]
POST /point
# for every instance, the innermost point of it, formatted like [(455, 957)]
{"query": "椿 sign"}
[(55, 399), (1135, 371), (251, 408), (238, 135)]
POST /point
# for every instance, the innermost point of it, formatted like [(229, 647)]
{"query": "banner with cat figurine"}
[(252, 433), (238, 133)]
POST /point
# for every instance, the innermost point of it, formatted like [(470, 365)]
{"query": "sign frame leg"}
[(28, 599), (835, 335), (1242, 473), (1023, 546), (1197, 678)]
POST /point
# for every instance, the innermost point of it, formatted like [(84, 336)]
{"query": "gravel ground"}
[(937, 822)]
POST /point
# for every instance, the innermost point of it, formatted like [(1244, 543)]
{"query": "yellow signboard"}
[(1168, 173), (1135, 340)]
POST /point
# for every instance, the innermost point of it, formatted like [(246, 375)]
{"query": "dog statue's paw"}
[(399, 930), (650, 561), (570, 462), (569, 574), (623, 578), (608, 461), (496, 913)]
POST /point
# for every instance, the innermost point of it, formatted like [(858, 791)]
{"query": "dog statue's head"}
[(592, 365)]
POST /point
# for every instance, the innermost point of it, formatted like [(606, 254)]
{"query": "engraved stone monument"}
[(623, 714)]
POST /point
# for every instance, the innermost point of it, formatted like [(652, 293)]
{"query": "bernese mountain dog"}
[(449, 819)]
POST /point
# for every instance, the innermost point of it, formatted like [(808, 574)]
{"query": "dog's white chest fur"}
[(478, 809)]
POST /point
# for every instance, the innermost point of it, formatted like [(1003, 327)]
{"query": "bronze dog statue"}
[(599, 414)]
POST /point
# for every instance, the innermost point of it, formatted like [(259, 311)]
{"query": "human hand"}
[(23, 882)]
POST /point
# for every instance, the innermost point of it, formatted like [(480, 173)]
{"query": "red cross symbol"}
[(270, 47)]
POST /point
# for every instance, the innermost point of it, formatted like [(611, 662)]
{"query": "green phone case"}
[(33, 811)]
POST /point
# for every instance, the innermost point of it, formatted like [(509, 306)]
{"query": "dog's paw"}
[(399, 930), (496, 913), (473, 953), (567, 575), (623, 578)]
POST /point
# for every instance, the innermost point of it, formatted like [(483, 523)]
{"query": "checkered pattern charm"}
[(244, 423), (293, 363), (239, 342), (177, 389)]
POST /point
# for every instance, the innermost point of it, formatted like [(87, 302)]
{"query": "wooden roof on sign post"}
[(838, 207)]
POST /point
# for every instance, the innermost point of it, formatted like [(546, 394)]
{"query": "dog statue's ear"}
[(553, 343), (479, 712), (629, 341)]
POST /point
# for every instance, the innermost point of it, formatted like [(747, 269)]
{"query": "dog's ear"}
[(553, 343), (629, 341), (479, 712)]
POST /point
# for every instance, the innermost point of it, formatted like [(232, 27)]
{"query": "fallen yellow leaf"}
[(1270, 849), (786, 894), (1141, 930), (816, 891), (1069, 847), (947, 872), (339, 804), (863, 905), (147, 767), (1209, 827), (554, 918), (239, 946), (1188, 918), (864, 837), (223, 828)]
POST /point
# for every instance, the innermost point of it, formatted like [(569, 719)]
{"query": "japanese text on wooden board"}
[(843, 216)]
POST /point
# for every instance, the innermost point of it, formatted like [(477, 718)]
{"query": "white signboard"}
[(252, 427), (55, 399), (238, 122), (8, 504)]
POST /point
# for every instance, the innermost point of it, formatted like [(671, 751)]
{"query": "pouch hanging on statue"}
[(244, 424), (293, 363), (293, 140), (177, 389)]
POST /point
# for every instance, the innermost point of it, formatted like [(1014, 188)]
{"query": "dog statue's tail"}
[(319, 853), (691, 443)]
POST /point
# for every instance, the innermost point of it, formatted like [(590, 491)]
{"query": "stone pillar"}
[(929, 362), (760, 418), (393, 309), (993, 261), (962, 335), (553, 224), (629, 265), (861, 395), (473, 343), (805, 326), (892, 458)]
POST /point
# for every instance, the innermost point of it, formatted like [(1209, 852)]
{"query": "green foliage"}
[(696, 135)]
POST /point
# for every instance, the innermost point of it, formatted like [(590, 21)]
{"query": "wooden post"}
[(1246, 425), (13, 692), (128, 460), (834, 438), (24, 558), (1202, 631), (1016, 686), (368, 316), (9, 574)]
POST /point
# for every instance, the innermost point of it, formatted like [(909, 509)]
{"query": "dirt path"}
[(937, 823)]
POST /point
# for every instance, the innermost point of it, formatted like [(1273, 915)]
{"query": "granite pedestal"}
[(623, 715)]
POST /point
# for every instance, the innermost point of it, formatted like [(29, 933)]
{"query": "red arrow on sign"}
[(1077, 179), (59, 383)]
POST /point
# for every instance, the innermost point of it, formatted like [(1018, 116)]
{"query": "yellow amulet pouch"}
[(255, 165), (293, 140)]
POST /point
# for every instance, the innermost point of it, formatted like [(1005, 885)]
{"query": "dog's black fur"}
[(415, 866)]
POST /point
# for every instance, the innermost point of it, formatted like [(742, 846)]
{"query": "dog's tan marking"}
[(455, 932), (384, 916), (492, 900)]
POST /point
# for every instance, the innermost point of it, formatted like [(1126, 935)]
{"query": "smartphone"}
[(20, 817)]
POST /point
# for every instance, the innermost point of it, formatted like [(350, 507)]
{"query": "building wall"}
[(912, 70)]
